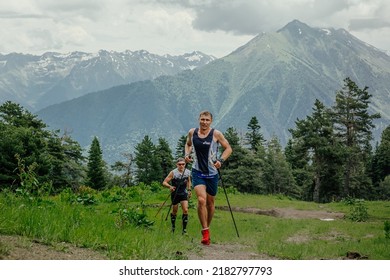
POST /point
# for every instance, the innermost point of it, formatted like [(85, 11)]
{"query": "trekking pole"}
[(170, 206), (163, 204), (176, 190), (227, 199)]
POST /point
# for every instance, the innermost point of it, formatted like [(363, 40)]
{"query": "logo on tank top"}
[(206, 143)]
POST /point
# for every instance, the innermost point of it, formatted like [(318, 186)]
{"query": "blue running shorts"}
[(210, 181)]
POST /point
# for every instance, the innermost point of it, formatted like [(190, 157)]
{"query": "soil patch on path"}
[(226, 252), (22, 248), (288, 213)]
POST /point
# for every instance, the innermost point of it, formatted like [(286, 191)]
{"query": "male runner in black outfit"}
[(180, 187)]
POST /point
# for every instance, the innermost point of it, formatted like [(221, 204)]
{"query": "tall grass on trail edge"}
[(93, 221), (95, 227)]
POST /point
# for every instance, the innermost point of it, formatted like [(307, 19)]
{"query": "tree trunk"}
[(317, 185)]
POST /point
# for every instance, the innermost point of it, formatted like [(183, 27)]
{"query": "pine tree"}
[(381, 159), (315, 140), (15, 115), (96, 177), (164, 153), (299, 159), (74, 170), (180, 146), (148, 163), (277, 173), (67, 162), (242, 170), (353, 125), (254, 137), (23, 134)]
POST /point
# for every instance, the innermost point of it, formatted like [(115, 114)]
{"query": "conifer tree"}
[(74, 170), (67, 162), (254, 137), (180, 146), (148, 163), (96, 177), (243, 169), (55, 159), (381, 159), (164, 153), (315, 140), (277, 173), (298, 158), (353, 125), (15, 115)]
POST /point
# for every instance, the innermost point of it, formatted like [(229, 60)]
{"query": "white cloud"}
[(176, 26)]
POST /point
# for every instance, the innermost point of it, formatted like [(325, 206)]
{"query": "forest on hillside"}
[(328, 157)]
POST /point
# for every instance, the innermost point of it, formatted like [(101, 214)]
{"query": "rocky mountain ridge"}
[(37, 81)]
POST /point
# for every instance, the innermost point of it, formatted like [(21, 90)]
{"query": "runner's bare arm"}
[(225, 145), (167, 180), (188, 146), (189, 188)]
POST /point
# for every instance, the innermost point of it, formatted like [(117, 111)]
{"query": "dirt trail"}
[(288, 213), (21, 248), (226, 252)]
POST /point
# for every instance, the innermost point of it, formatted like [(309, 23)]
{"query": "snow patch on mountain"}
[(37, 81)]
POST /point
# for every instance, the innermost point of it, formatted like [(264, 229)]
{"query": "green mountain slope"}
[(275, 77)]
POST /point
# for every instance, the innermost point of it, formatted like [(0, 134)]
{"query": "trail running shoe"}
[(205, 237)]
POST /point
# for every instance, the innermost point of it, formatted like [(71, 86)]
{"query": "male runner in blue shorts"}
[(204, 140)]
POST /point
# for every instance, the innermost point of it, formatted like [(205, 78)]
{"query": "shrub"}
[(67, 195), (133, 217), (85, 190), (86, 199), (358, 210)]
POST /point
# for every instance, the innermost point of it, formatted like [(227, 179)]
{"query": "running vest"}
[(180, 180), (205, 153)]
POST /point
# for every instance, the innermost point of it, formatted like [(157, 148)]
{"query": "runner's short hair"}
[(180, 159), (206, 113)]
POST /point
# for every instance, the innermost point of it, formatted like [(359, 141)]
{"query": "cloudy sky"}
[(174, 27)]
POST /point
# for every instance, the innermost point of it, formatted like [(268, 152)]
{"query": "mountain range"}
[(276, 77), (40, 81)]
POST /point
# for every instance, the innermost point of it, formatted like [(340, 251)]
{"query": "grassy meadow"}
[(122, 224)]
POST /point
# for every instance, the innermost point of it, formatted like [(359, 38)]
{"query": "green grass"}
[(100, 227)]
